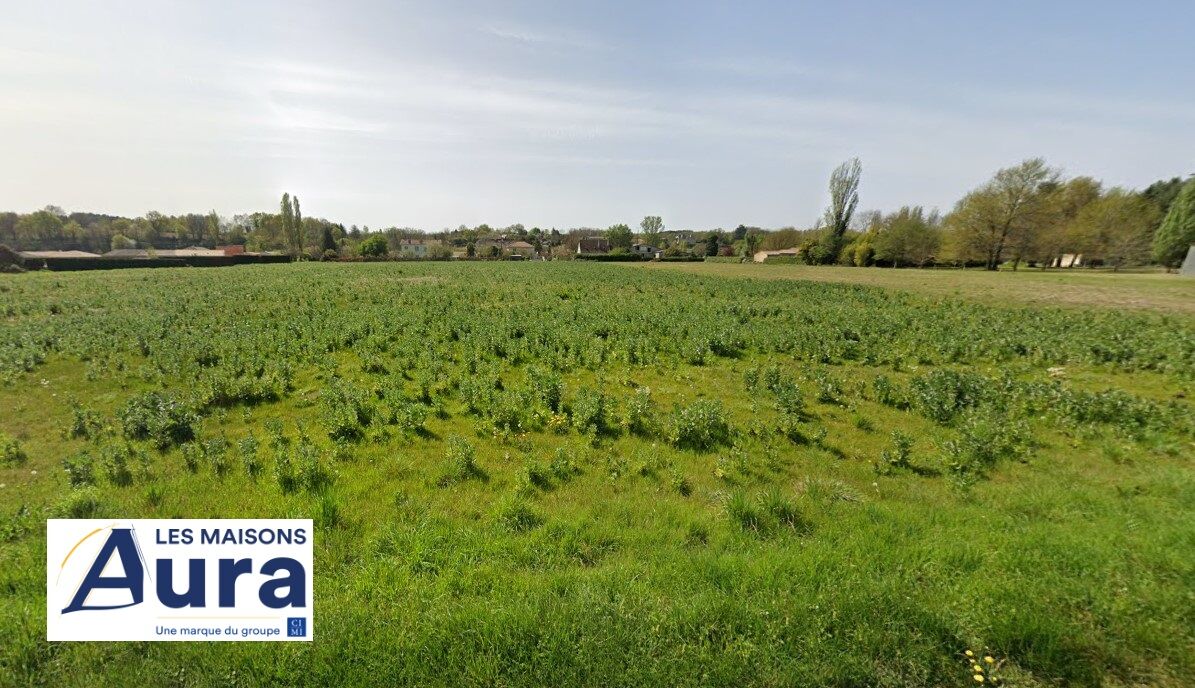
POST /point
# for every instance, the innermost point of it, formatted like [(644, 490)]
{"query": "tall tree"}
[(619, 236), (844, 198), (288, 223), (1176, 234), (750, 244), (1002, 215), (907, 237), (652, 226), (297, 228), (1063, 202), (1117, 228)]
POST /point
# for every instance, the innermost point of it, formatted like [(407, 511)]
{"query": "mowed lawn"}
[(1148, 291), (592, 474)]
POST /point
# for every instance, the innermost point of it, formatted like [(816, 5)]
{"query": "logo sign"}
[(179, 579)]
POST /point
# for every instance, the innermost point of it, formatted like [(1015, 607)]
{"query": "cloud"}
[(554, 37)]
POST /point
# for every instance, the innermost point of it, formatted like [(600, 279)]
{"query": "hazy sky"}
[(556, 114)]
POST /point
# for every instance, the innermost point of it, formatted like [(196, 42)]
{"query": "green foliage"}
[(159, 418), (626, 559), (768, 513), (943, 394), (590, 411), (1176, 234), (984, 438), (374, 246), (85, 502), (346, 410), (11, 451), (80, 469), (460, 462), (516, 515), (640, 414), (897, 456), (85, 423), (702, 426)]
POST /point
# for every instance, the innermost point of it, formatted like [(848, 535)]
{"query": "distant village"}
[(329, 242)]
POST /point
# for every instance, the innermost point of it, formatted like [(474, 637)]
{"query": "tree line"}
[(1027, 214)]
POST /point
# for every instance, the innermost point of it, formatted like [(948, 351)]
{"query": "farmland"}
[(566, 473)]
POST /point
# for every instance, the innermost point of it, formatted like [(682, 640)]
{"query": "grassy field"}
[(568, 474), (1152, 291)]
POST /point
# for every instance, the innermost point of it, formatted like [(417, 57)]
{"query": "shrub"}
[(548, 388), (18, 525), (460, 462), (80, 469), (589, 410), (284, 470), (85, 423), (248, 449), (788, 398), (563, 465), (534, 474), (11, 451), (829, 389), (941, 395), (345, 410), (410, 418), (679, 483), (984, 438), (374, 246), (117, 464), (313, 475), (81, 503), (639, 416), (702, 426), (898, 455), (887, 393), (216, 451), (159, 418)]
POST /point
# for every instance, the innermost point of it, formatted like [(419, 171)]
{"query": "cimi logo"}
[(179, 579)]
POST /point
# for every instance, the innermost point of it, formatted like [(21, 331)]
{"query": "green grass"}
[(621, 537), (1079, 287)]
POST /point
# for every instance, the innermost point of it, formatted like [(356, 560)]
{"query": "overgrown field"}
[(558, 474)]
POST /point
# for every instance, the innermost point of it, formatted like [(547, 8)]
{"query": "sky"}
[(563, 114)]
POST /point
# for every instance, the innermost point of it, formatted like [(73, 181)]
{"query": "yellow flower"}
[(976, 668), (978, 678), (989, 659), (969, 653)]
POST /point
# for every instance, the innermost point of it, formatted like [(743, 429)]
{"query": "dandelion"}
[(968, 652), (989, 659), (979, 678)]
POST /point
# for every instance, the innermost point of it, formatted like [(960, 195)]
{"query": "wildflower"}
[(968, 652), (989, 660), (979, 678)]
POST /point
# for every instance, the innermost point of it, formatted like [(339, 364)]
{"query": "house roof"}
[(519, 244), (127, 253), (58, 254)]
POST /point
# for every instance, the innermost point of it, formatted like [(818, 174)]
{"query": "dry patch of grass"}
[(1154, 291)]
